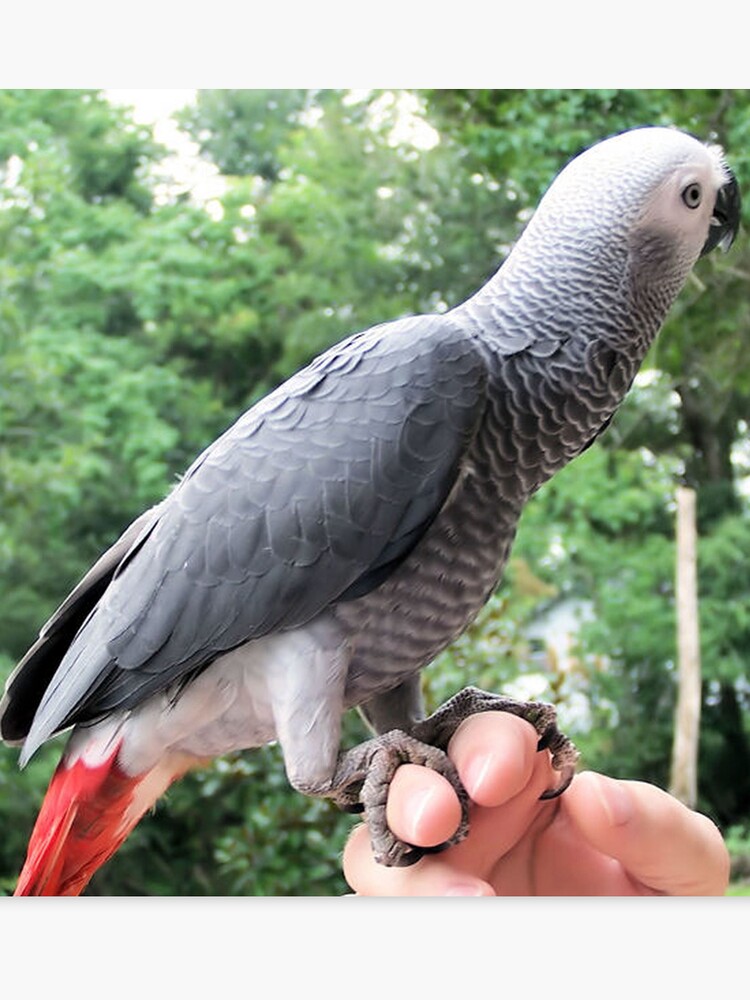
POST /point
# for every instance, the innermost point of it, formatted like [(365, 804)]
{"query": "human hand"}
[(602, 837)]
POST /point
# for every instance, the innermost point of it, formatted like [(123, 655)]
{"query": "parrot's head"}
[(651, 185), (624, 222), (689, 202)]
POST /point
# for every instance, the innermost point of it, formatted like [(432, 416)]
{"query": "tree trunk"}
[(684, 774)]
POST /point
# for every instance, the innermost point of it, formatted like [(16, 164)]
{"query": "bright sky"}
[(186, 170), (152, 105), (185, 167)]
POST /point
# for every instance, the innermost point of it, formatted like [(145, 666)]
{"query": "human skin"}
[(602, 837)]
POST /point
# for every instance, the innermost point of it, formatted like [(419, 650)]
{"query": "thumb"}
[(659, 841)]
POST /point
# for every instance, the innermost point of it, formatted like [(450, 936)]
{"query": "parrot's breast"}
[(436, 592)]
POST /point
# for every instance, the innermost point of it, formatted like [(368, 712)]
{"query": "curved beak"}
[(725, 220)]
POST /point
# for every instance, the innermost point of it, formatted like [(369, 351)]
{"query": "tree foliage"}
[(133, 329)]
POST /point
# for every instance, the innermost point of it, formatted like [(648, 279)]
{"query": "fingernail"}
[(418, 805), (476, 773), (615, 800), (465, 889)]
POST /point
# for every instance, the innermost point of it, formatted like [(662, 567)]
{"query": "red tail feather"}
[(82, 822)]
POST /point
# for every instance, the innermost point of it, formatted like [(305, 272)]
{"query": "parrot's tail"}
[(87, 813)]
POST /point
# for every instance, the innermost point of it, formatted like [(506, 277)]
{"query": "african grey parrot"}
[(350, 525)]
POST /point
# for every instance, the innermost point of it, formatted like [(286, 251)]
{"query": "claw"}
[(564, 758), (568, 774)]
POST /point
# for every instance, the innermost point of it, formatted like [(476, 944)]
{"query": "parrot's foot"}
[(363, 777), (439, 727), (363, 774)]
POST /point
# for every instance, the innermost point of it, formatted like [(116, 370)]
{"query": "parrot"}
[(352, 523)]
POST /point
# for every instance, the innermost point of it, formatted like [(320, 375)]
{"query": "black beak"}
[(726, 218)]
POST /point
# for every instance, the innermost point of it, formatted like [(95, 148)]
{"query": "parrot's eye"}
[(692, 195)]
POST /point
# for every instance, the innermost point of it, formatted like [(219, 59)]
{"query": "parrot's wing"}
[(314, 495)]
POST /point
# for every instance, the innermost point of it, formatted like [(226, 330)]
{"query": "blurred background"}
[(167, 257)]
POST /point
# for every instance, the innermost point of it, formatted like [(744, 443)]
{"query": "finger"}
[(660, 842), (560, 861), (497, 759), (422, 807), (429, 877), (498, 762), (499, 765)]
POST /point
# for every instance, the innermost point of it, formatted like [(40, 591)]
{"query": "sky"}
[(153, 105), (189, 171), (185, 167)]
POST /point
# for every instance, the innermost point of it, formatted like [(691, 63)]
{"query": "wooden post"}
[(684, 773)]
